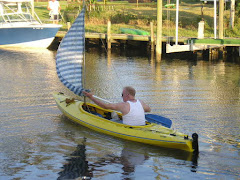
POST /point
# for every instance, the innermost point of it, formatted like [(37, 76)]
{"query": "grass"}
[(129, 15)]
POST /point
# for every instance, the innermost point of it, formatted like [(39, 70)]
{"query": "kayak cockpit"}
[(106, 114)]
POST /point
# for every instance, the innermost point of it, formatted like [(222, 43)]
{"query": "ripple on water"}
[(37, 142)]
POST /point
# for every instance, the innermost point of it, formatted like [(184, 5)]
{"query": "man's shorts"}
[(55, 17)]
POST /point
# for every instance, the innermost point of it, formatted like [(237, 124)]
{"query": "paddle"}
[(102, 99), (154, 118)]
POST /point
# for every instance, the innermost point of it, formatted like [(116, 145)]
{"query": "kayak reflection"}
[(132, 155)]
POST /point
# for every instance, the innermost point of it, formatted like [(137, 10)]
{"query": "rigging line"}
[(104, 45), (168, 23), (112, 66)]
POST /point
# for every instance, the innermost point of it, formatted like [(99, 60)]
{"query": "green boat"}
[(134, 31), (169, 6)]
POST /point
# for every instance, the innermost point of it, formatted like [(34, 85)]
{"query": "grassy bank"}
[(128, 15)]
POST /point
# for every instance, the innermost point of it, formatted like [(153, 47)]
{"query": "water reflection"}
[(77, 165), (132, 155), (199, 96), (194, 162), (130, 159)]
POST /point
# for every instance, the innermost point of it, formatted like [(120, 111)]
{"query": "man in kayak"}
[(133, 110)]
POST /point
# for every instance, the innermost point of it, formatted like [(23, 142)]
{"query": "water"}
[(38, 142)]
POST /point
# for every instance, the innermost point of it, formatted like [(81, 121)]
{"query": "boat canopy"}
[(11, 11)]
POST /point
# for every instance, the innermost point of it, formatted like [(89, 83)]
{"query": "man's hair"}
[(130, 90)]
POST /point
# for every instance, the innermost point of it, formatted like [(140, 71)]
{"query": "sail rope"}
[(168, 23), (112, 65)]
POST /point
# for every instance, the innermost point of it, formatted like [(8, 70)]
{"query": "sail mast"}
[(84, 60)]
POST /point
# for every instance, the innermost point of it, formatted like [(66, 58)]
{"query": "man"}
[(133, 110), (54, 8)]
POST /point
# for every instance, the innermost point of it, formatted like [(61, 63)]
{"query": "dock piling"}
[(68, 25), (159, 31), (109, 34), (152, 37)]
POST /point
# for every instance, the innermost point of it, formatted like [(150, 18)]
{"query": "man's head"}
[(128, 93)]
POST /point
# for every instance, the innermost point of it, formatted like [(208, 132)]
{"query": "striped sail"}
[(70, 56)]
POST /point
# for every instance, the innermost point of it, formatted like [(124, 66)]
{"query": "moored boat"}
[(134, 31), (19, 28)]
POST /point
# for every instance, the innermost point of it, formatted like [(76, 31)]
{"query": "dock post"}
[(210, 54), (159, 31), (152, 37), (109, 34), (224, 52), (221, 14), (201, 30), (68, 25), (109, 58)]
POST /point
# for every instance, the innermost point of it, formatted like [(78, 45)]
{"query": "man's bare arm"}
[(113, 106), (145, 107)]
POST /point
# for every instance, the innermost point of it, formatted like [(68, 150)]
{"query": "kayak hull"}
[(95, 118)]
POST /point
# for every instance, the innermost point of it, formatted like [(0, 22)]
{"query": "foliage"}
[(128, 15), (238, 8)]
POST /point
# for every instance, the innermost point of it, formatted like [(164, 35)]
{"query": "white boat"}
[(21, 27)]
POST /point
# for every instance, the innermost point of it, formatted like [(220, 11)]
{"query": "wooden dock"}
[(130, 37), (124, 37), (185, 44)]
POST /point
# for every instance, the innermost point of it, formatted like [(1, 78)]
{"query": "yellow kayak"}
[(99, 119)]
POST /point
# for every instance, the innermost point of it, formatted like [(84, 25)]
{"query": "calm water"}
[(38, 142)]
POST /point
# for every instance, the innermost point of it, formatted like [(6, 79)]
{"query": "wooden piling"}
[(221, 14), (224, 52), (210, 54), (68, 25), (159, 31), (152, 37), (109, 35)]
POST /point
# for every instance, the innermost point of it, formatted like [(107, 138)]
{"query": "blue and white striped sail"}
[(70, 55)]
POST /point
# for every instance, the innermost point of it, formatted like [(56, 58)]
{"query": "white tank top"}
[(136, 115)]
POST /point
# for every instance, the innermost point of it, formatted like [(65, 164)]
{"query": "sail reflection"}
[(77, 165)]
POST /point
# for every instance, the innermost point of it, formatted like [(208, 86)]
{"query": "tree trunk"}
[(232, 13)]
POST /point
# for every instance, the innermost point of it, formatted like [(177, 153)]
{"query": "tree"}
[(232, 13)]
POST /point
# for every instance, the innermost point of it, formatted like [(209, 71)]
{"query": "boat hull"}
[(151, 133), (32, 36), (134, 31)]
